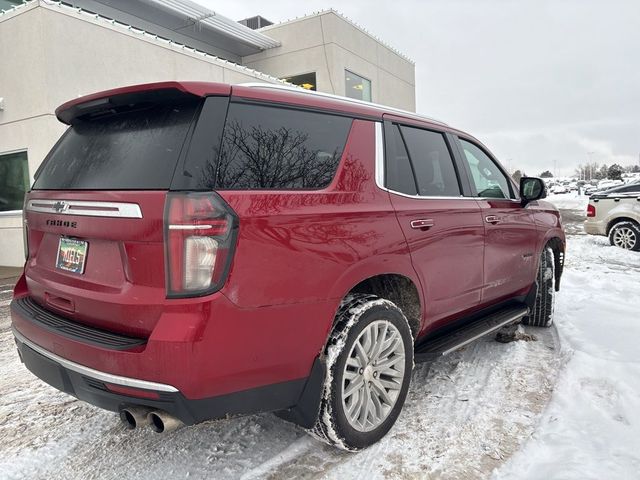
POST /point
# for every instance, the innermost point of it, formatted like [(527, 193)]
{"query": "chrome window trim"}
[(379, 172), (379, 175), (97, 374), (84, 208), (512, 200), (379, 156)]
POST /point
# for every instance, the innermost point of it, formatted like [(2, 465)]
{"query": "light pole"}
[(589, 168)]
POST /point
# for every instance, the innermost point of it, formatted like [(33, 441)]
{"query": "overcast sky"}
[(535, 80)]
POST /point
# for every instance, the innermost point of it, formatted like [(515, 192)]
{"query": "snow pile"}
[(591, 428), (569, 201), (463, 416)]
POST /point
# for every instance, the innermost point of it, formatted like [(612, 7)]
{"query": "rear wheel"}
[(541, 314), (625, 235), (369, 363)]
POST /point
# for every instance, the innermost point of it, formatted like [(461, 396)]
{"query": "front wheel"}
[(541, 314), (369, 362), (625, 235)]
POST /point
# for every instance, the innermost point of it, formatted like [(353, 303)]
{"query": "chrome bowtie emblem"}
[(61, 206)]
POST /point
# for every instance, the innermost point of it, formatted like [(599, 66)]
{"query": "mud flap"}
[(305, 412), (530, 299)]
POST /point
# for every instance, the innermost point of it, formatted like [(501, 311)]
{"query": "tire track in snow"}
[(464, 415)]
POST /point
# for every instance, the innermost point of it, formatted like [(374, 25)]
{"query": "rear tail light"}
[(591, 210), (200, 234)]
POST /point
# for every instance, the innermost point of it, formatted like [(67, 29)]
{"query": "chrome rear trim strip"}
[(190, 227), (89, 209), (97, 374)]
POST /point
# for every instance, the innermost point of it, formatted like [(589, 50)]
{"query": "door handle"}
[(492, 219), (422, 224)]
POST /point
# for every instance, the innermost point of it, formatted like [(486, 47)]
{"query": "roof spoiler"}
[(121, 98)]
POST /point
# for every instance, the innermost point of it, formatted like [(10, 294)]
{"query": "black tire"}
[(625, 234), (542, 312), (355, 313)]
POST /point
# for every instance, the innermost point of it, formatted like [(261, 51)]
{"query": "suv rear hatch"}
[(95, 214)]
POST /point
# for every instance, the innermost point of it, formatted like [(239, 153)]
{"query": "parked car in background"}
[(607, 184), (621, 190), (616, 213), (198, 250), (628, 189), (590, 189), (556, 189)]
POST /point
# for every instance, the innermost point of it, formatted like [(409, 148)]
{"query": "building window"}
[(306, 80), (14, 180), (7, 4), (357, 87)]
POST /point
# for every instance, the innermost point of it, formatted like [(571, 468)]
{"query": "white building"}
[(51, 52)]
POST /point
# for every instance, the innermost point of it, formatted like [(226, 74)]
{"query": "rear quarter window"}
[(266, 147)]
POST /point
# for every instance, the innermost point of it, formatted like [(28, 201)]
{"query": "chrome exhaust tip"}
[(134, 417), (162, 422)]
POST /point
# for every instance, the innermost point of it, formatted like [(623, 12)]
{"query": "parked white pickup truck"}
[(616, 215)]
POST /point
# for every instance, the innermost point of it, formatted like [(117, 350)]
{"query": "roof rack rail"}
[(296, 89)]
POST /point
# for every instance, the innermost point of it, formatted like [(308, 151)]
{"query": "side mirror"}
[(531, 189)]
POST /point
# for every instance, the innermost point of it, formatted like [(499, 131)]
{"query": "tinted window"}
[(488, 179), (628, 189), (432, 163), (277, 148), (399, 174), (134, 150)]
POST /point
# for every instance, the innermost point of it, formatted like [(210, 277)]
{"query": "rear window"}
[(135, 150), (272, 148)]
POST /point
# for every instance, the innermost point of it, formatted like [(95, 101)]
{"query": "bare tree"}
[(259, 157)]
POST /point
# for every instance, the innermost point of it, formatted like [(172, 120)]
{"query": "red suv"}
[(198, 250)]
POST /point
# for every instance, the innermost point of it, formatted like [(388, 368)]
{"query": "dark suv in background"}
[(197, 250)]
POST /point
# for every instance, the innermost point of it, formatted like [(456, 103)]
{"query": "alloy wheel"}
[(373, 375), (624, 237)]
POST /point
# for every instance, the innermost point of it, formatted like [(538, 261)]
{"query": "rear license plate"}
[(71, 255)]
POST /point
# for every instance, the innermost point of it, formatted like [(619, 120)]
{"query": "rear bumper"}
[(93, 386), (205, 348), (593, 227), (209, 362)]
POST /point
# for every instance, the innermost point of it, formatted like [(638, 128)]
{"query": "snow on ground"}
[(466, 414), (569, 201), (591, 429)]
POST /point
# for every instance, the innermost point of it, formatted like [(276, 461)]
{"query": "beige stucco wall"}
[(50, 54), (328, 44)]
